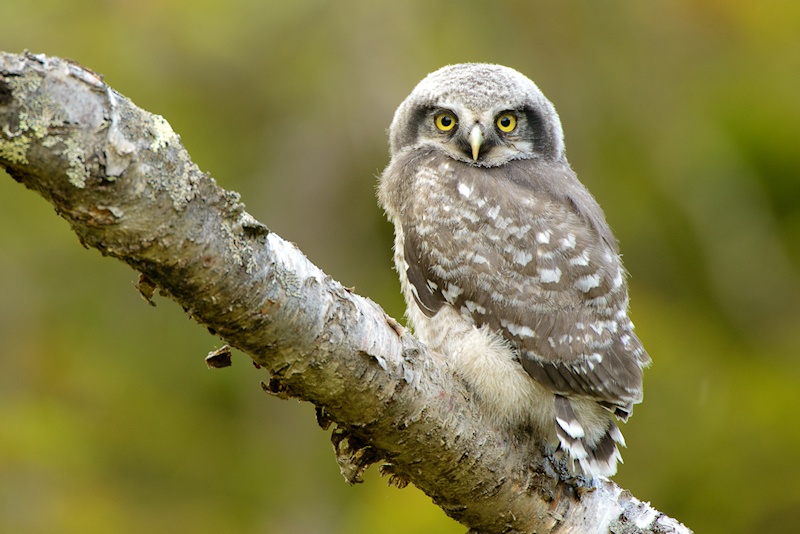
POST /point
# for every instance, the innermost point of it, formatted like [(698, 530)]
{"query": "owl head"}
[(480, 114)]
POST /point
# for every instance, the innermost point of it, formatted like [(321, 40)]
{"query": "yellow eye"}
[(506, 122), (445, 121)]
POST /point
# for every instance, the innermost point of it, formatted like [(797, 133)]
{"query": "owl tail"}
[(598, 457)]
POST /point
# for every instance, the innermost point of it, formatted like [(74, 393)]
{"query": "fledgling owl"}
[(507, 264)]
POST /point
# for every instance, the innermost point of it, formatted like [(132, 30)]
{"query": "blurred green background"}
[(682, 117)]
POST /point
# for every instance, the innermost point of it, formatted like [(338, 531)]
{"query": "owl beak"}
[(475, 141)]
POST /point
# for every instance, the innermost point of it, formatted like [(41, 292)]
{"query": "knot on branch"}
[(353, 455)]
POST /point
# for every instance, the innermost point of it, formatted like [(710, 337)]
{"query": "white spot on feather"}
[(550, 276), (617, 279), (519, 231), (452, 292), (598, 302), (464, 189), (598, 327), (581, 260), (589, 282), (589, 362), (502, 223), (543, 237), (568, 242), (477, 258), (517, 330), (472, 307), (522, 257)]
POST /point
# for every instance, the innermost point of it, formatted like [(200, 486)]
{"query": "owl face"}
[(484, 137), (482, 115)]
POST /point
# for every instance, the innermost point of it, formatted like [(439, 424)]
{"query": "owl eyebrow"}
[(433, 110)]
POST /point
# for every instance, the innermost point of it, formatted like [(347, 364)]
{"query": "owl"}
[(507, 264)]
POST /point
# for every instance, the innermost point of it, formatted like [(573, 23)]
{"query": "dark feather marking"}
[(604, 450), (429, 301)]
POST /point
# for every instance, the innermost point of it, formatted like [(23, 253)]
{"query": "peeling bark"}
[(128, 188)]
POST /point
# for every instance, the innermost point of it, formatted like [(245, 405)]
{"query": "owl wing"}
[(524, 250)]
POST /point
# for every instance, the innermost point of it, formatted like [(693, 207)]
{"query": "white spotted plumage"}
[(507, 264)]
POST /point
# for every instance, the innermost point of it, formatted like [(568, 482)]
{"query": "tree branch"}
[(128, 188)]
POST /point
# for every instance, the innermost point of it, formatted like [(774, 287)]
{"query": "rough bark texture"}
[(128, 188)]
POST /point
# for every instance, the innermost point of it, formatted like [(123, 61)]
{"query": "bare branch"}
[(128, 188)]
